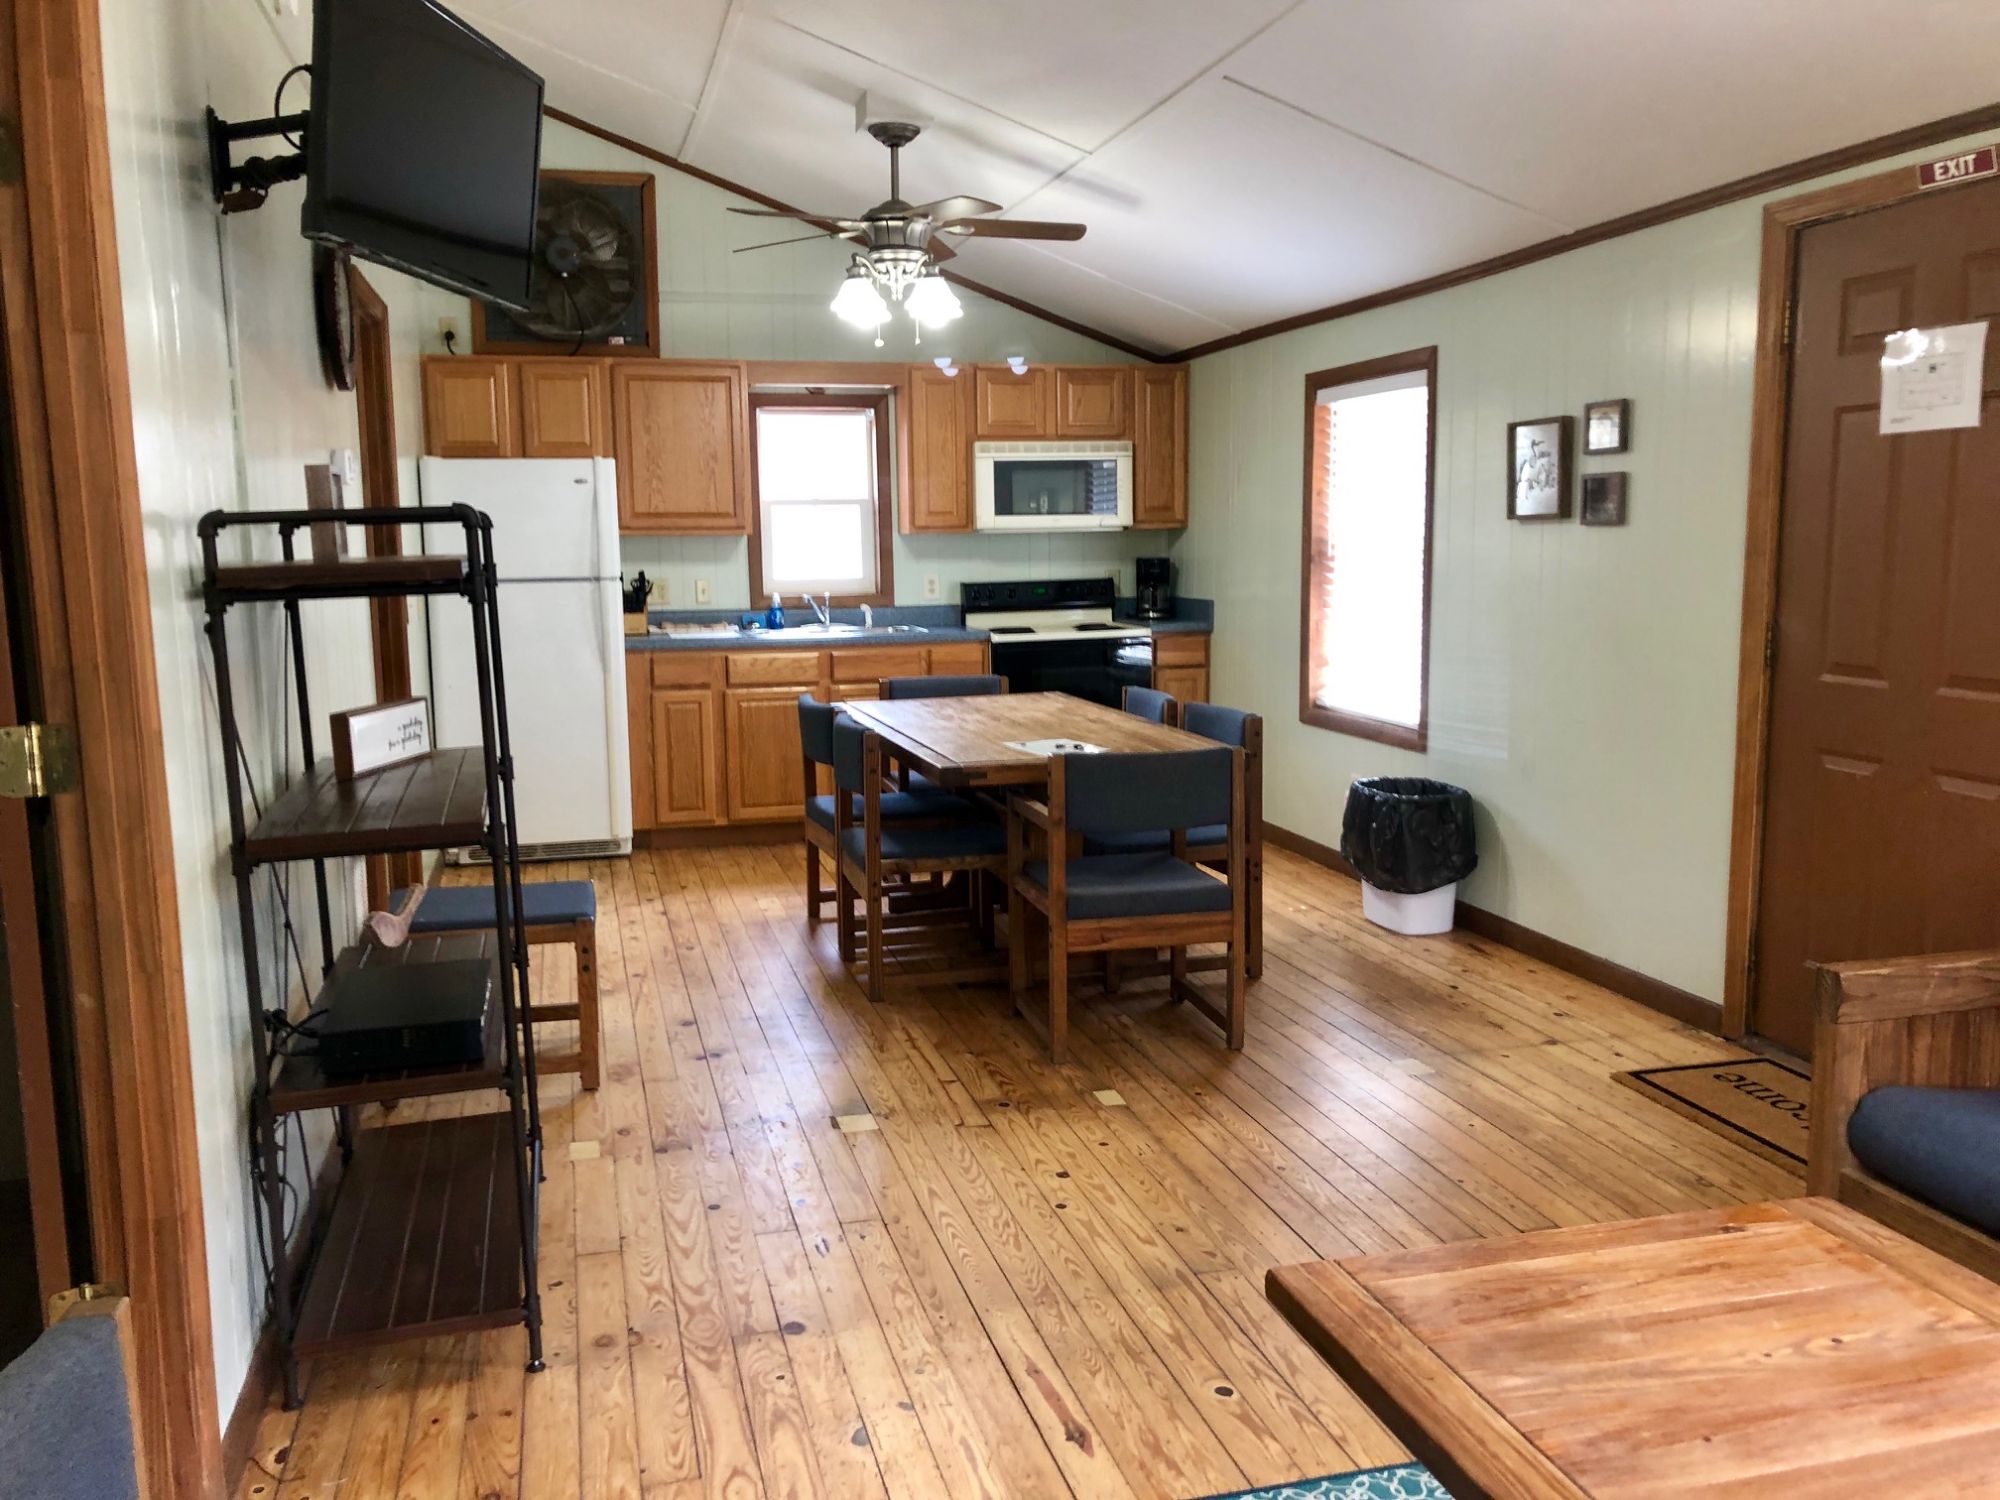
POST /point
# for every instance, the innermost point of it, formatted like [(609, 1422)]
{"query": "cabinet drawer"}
[(684, 668), (774, 668), (966, 660), (1180, 650), (871, 664)]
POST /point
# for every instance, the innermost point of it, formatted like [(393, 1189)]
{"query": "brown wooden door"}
[(1014, 406), (940, 497), (1094, 402), (1882, 805), (1159, 447), (681, 432), (685, 746), (761, 751)]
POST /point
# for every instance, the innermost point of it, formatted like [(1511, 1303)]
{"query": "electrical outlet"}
[(930, 585), (702, 593), (447, 331), (657, 599)]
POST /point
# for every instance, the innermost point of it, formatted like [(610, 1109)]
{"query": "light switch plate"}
[(702, 592)]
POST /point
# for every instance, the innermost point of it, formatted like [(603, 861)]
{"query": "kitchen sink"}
[(823, 632)]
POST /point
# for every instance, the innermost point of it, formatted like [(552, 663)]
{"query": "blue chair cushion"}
[(1155, 842), (1134, 885), (948, 841), (468, 908), (897, 805), (1940, 1145), (65, 1425)]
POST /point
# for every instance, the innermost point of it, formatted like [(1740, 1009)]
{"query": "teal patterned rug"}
[(1398, 1482)]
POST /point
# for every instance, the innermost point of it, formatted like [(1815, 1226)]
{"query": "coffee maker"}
[(1156, 588)]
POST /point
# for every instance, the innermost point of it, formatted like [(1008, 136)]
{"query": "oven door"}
[(1040, 487), (1090, 670)]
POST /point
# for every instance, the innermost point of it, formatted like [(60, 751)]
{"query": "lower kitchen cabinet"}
[(760, 726), (686, 749), (1180, 666)]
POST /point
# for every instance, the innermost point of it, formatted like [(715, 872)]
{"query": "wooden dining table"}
[(976, 742)]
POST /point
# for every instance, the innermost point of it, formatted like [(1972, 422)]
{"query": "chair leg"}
[(1177, 973), (843, 909), (1058, 989), (982, 898), (1017, 947), (1253, 893), (813, 893), (586, 1000), (874, 900), (1237, 964)]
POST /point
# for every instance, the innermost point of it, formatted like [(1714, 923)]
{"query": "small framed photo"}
[(1538, 471), (1604, 499), (1607, 427), (379, 736)]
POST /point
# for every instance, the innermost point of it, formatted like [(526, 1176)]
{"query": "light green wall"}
[(716, 304), (1582, 681)]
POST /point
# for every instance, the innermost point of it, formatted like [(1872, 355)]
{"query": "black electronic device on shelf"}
[(380, 1016)]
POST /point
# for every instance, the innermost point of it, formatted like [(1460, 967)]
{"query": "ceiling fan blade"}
[(797, 239), (1019, 229), (951, 210), (940, 250), (790, 213)]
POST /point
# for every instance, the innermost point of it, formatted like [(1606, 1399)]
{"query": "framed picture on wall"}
[(1607, 426), (1604, 499), (1538, 468)]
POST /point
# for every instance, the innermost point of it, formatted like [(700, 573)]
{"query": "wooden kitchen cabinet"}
[(1159, 446), (1180, 666), (1013, 406), (682, 444), (686, 752), (565, 407), (469, 407), (1093, 401), (939, 495), (760, 731)]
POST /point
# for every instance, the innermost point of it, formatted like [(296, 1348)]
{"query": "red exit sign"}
[(1985, 162)]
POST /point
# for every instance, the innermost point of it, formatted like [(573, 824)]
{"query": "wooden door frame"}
[(1770, 409), (84, 561)]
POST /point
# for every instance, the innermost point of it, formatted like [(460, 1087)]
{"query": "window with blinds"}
[(1368, 522)]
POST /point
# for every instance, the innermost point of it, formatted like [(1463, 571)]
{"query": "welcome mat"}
[(1754, 1101), (1397, 1482)]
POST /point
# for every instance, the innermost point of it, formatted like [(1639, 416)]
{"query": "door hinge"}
[(1770, 645), (38, 760), (1785, 333), (1750, 961)]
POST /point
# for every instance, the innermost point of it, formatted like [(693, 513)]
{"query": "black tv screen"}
[(423, 146)]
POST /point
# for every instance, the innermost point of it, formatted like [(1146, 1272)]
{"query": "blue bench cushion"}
[(950, 841), (467, 908), (1940, 1145), (65, 1427), (1134, 885), (898, 805), (1157, 841)]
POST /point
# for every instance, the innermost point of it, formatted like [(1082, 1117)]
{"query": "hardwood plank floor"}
[(799, 1244)]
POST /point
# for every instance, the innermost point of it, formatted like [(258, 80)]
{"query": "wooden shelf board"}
[(436, 802), (301, 1085), (424, 1238), (347, 578)]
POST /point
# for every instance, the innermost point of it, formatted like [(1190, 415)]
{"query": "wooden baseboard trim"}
[(1655, 994), (711, 838)]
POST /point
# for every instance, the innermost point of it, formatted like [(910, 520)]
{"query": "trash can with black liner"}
[(1411, 840)]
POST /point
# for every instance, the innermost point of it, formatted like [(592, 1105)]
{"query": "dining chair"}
[(816, 720), (873, 848), (943, 687), (1107, 903), (1152, 705), (1210, 846)]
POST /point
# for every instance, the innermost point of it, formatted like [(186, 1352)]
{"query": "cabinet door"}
[(469, 407), (940, 497), (1014, 406), (639, 735), (682, 446), (761, 754), (1159, 447), (565, 408), (1188, 684), (1093, 402), (685, 746)]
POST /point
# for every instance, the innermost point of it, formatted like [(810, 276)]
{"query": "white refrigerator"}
[(555, 547)]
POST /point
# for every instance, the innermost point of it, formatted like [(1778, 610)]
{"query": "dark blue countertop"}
[(939, 622)]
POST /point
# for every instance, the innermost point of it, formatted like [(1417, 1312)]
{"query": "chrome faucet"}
[(867, 617), (821, 612)]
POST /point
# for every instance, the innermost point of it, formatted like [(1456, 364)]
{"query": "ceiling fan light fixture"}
[(931, 302), (857, 302)]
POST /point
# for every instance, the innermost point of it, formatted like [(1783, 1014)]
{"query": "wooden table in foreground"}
[(1787, 1349), (964, 741)]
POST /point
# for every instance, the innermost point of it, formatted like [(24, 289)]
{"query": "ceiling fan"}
[(900, 245)]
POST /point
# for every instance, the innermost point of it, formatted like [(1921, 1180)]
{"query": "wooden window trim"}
[(1412, 361), (884, 593)]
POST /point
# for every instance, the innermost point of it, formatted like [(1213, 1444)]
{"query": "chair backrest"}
[(1144, 792), (850, 742), (942, 687), (1226, 726), (816, 729), (1150, 704)]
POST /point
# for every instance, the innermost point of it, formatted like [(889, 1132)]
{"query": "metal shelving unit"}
[(431, 1227)]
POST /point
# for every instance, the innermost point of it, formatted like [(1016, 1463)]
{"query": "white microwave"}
[(1074, 486)]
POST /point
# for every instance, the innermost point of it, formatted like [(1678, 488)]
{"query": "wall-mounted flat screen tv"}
[(423, 146)]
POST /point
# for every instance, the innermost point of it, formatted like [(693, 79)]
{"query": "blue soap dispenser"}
[(774, 617)]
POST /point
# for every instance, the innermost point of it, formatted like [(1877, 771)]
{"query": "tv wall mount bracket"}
[(239, 188)]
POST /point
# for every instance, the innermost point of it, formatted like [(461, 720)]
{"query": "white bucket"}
[(1420, 915)]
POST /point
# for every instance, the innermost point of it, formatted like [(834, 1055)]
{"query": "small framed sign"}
[(1607, 426), (381, 735), (1604, 499)]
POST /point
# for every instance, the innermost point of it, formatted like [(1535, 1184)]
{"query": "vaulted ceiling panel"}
[(662, 46)]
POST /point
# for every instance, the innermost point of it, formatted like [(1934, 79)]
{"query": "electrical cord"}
[(574, 311), (278, 103)]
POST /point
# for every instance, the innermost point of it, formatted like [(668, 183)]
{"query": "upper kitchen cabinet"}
[(682, 444), (1014, 406), (1093, 401), (470, 407), (939, 496), (1159, 446), (565, 408)]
